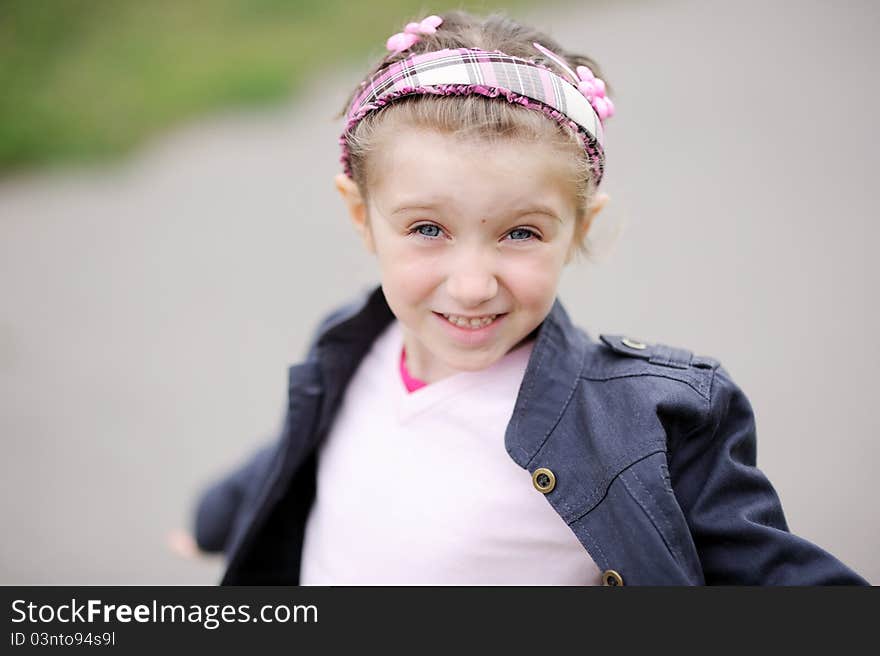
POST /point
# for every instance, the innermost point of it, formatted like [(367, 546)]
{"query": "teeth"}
[(463, 322)]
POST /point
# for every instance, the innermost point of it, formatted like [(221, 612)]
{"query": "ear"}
[(357, 208), (596, 205)]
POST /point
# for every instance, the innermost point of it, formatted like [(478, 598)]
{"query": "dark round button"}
[(610, 577), (544, 480)]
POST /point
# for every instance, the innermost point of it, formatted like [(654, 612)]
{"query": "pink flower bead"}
[(410, 35), (401, 41), (428, 25), (610, 107), (601, 108), (585, 73), (587, 88)]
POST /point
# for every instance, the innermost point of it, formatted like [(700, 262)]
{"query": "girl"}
[(451, 425)]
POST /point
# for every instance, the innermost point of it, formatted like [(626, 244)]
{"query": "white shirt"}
[(417, 487)]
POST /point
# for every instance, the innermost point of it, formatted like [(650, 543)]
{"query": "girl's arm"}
[(218, 505), (733, 511)]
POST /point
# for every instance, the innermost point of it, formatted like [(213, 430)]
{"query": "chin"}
[(474, 361)]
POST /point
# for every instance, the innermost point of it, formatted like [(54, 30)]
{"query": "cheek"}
[(535, 280), (408, 276)]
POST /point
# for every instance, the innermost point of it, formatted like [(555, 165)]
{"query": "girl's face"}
[(466, 229)]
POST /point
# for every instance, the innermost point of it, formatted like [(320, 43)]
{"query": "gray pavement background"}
[(150, 310)]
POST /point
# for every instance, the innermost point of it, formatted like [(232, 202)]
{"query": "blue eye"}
[(418, 229), (434, 231), (523, 230)]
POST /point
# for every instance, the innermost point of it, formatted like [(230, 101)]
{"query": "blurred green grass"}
[(90, 79)]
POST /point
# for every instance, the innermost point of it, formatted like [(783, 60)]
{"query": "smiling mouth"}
[(472, 323)]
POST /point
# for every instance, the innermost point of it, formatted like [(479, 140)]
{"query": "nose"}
[(472, 281)]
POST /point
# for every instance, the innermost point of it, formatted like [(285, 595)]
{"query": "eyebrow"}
[(536, 209)]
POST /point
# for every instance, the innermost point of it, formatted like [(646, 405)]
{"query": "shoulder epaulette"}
[(667, 356)]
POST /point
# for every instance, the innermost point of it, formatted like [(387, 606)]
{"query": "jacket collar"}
[(548, 384)]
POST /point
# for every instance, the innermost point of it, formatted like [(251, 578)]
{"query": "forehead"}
[(421, 165)]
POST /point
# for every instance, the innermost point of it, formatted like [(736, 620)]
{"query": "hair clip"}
[(592, 87), (411, 34)]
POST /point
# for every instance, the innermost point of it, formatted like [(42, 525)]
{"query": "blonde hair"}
[(475, 117)]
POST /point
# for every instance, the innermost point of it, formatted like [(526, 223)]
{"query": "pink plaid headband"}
[(465, 71)]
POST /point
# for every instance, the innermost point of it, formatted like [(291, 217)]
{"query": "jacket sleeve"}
[(218, 505), (732, 509)]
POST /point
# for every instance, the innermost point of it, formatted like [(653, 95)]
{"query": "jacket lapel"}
[(344, 343), (548, 385)]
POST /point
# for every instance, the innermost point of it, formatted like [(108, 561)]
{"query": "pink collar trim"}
[(412, 384)]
